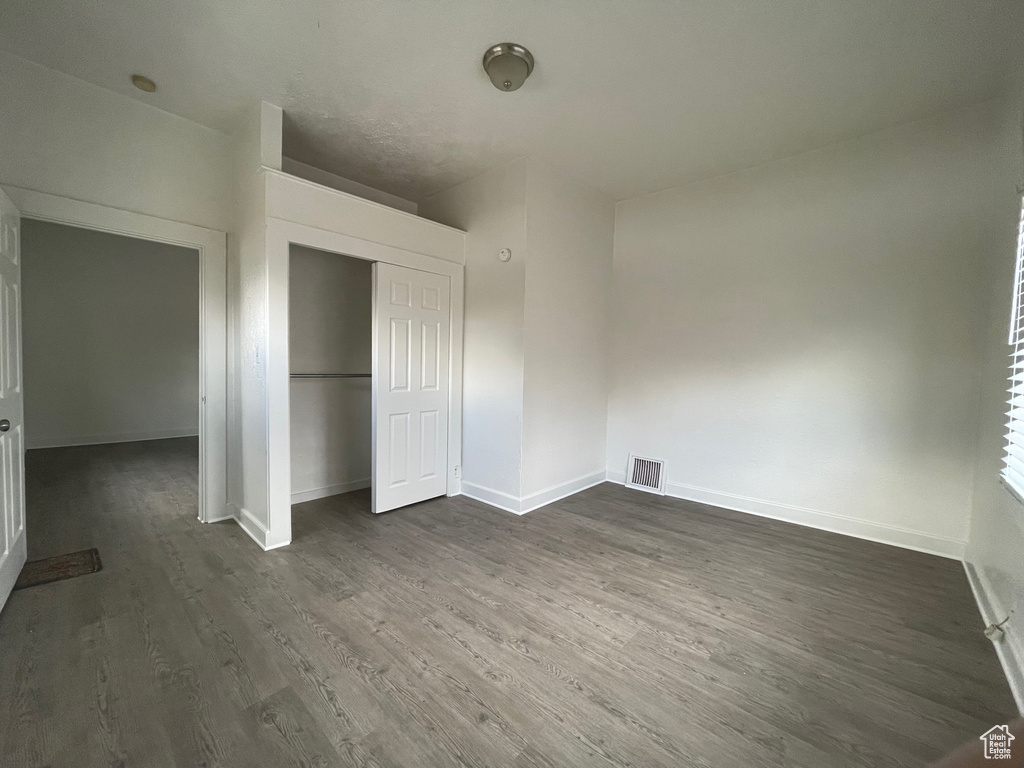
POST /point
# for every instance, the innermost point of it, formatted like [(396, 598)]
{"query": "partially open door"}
[(411, 322), (12, 433)]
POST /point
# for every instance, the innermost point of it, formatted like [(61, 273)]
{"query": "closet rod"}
[(331, 375)]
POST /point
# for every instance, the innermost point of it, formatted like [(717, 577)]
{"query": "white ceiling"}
[(629, 97)]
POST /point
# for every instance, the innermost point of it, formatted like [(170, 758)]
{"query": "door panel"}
[(428, 439), (400, 354), (12, 442), (398, 458), (410, 385), (430, 353), (11, 300)]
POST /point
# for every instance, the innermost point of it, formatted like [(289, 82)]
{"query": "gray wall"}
[(110, 336)]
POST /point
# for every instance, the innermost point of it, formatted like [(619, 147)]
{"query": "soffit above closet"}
[(629, 97)]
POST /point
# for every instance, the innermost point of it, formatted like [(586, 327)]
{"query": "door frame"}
[(212, 247), (280, 236)]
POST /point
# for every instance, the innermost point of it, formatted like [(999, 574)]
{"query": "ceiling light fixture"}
[(143, 83), (508, 65)]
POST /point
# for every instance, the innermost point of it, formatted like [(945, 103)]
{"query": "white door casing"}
[(13, 549), (411, 323), (213, 360)]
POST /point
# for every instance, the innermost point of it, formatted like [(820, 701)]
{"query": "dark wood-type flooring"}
[(612, 628)]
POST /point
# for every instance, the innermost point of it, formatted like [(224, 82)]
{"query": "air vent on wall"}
[(645, 474)]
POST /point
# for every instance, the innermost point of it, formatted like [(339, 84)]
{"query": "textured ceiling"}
[(629, 97)]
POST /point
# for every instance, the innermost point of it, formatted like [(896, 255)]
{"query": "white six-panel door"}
[(410, 385), (12, 432)]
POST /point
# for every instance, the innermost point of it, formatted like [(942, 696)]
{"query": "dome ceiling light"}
[(143, 83), (508, 65)]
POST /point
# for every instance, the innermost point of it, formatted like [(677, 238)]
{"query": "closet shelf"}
[(331, 375)]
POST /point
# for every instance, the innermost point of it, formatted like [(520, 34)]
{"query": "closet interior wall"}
[(330, 325)]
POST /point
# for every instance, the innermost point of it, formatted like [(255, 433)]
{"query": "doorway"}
[(211, 246), (18, 206), (110, 368)]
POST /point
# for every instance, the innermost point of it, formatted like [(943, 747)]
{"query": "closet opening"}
[(340, 307), (330, 338)]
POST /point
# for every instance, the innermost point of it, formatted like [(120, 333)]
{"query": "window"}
[(1013, 472)]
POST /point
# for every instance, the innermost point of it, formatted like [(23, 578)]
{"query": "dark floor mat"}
[(59, 568)]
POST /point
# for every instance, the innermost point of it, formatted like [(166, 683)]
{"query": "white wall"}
[(995, 552), (248, 485), (535, 376), (492, 211), (328, 179), (569, 235), (110, 335), (66, 137), (801, 339), (329, 325)]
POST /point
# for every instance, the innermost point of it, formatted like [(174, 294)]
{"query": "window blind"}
[(1013, 469)]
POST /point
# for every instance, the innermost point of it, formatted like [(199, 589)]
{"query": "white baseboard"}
[(813, 518), (1009, 650), (252, 526), (330, 490), (492, 497), (230, 513), (109, 437), (557, 492), (222, 518), (520, 505), (257, 531)]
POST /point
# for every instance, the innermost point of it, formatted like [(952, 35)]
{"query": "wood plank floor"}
[(614, 628)]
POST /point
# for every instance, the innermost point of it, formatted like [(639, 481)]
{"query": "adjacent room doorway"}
[(207, 368)]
